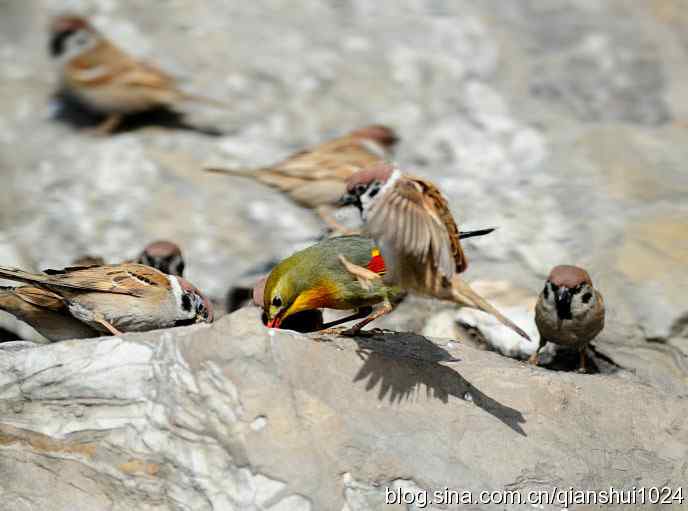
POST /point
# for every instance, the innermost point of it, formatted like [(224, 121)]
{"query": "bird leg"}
[(463, 294), (108, 326), (582, 366), (386, 308), (364, 276), (360, 313), (110, 124), (535, 357), (325, 214)]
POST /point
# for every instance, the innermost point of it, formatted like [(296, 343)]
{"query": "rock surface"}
[(235, 416)]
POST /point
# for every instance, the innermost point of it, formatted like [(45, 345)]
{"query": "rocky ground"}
[(561, 122)]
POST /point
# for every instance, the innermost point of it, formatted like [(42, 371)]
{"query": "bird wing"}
[(129, 279), (336, 159), (142, 74), (40, 297), (106, 63), (414, 217)]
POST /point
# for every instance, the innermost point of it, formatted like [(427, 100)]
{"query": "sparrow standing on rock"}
[(411, 222), (105, 78), (569, 311), (316, 178), (110, 299)]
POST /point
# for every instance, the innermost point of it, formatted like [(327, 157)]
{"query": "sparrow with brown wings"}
[(103, 77), (411, 222), (316, 178), (569, 311), (112, 299)]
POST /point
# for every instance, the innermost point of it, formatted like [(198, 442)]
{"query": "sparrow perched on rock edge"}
[(105, 78), (316, 278), (569, 311), (410, 221), (113, 298), (316, 178)]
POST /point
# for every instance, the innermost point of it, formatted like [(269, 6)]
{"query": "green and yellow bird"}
[(317, 278)]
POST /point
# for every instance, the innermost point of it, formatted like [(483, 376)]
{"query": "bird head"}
[(363, 186), (295, 285), (280, 295), (569, 292), (164, 256), (383, 135), (71, 35), (195, 307)]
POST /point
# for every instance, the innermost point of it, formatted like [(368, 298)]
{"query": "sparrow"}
[(569, 311), (163, 255), (111, 299), (105, 78), (317, 278), (316, 178), (409, 219)]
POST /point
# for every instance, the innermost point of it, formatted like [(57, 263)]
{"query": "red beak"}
[(275, 322)]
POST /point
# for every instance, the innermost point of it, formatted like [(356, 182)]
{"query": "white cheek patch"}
[(369, 202), (177, 291)]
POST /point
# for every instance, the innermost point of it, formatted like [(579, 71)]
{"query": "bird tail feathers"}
[(243, 172), (463, 294), (22, 276)]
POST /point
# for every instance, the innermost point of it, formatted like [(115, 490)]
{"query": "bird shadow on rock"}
[(69, 110), (401, 363)]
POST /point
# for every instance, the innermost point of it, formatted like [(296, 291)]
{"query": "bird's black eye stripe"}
[(546, 292), (57, 43), (554, 287), (180, 268), (186, 303), (277, 301), (587, 297)]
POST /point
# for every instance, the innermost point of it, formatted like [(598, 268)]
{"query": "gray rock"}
[(236, 416)]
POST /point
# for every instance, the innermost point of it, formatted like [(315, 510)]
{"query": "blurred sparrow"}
[(164, 256), (410, 221), (105, 78), (116, 298), (569, 311), (88, 260), (316, 178)]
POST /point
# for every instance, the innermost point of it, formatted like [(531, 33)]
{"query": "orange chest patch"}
[(323, 296), (377, 263)]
